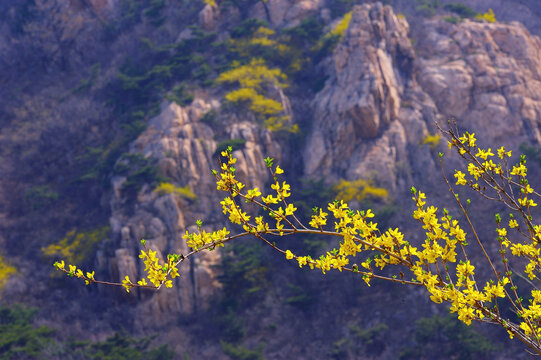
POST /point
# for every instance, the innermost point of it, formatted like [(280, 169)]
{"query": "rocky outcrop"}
[(488, 76), (183, 148), (285, 13), (208, 17), (382, 96), (358, 132)]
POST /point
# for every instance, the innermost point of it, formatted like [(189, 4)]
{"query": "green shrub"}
[(147, 78), (87, 83), (372, 341), (96, 162), (120, 347), (236, 144), (180, 95), (452, 19), (154, 12), (230, 323), (446, 337), (244, 273), (300, 297), (461, 10), (202, 72), (328, 42), (427, 7), (210, 118), (247, 28), (20, 339), (532, 153), (138, 171), (238, 352), (40, 196), (306, 33)]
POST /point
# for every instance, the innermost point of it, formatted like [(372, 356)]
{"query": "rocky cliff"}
[(357, 131), (185, 151), (486, 76)]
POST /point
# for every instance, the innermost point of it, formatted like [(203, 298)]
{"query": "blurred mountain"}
[(114, 112)]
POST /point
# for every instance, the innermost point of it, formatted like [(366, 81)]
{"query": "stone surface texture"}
[(183, 148)]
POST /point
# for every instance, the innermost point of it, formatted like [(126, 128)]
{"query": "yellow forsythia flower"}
[(460, 177), (127, 283), (502, 153), (483, 154)]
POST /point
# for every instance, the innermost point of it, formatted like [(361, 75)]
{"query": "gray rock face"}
[(208, 17), (285, 13), (357, 131), (486, 75), (382, 96), (183, 147)]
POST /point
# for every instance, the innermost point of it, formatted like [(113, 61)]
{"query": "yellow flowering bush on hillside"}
[(432, 141), (76, 246), (336, 33), (6, 271), (168, 188), (443, 264), (255, 79), (359, 190), (489, 16)]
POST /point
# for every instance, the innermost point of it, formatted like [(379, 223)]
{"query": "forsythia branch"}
[(441, 264)]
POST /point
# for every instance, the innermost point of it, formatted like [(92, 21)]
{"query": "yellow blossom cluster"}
[(532, 316), (504, 181), (433, 265), (75, 272), (158, 274), (319, 220), (199, 240)]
